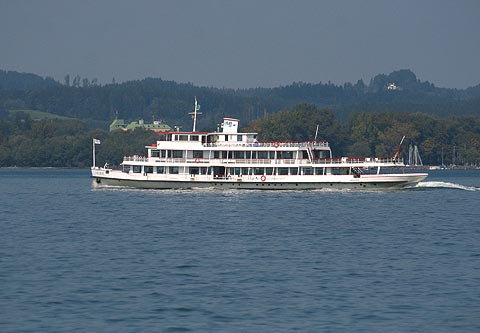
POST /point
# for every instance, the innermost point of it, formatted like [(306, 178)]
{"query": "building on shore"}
[(156, 126)]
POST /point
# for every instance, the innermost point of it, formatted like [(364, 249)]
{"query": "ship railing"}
[(135, 158), (275, 144), (198, 160)]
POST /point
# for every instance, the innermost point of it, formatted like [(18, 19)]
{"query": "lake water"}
[(78, 259)]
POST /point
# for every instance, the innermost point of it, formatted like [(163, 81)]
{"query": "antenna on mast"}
[(194, 114)]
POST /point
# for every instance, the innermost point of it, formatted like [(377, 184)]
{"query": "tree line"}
[(25, 142)]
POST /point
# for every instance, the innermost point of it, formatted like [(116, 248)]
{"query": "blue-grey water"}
[(78, 259)]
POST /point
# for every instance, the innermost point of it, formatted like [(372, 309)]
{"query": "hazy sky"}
[(243, 43)]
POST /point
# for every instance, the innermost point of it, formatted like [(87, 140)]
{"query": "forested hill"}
[(154, 98), (12, 81)]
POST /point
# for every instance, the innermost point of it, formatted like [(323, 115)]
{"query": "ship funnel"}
[(230, 125)]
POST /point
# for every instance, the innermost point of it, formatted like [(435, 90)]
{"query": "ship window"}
[(203, 171), (263, 154), (236, 171), (308, 171), (258, 171), (175, 153), (148, 169), (239, 154), (137, 168), (269, 171), (340, 171), (198, 153), (173, 170), (244, 171), (248, 154), (126, 168), (285, 154), (194, 170), (294, 171), (155, 153), (239, 138), (183, 137), (319, 171), (321, 154), (226, 137), (160, 169), (272, 154), (193, 137), (216, 154), (304, 154), (283, 171)]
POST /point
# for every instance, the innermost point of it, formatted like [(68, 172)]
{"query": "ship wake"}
[(446, 185)]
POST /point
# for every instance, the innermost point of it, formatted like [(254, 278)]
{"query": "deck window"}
[(258, 171), (340, 171), (160, 169), (294, 171), (269, 171), (285, 154), (197, 154), (183, 137), (283, 171), (321, 154), (319, 171), (236, 171), (193, 137), (137, 168), (155, 153), (148, 169), (239, 138), (175, 153), (173, 170), (194, 170), (263, 154), (216, 154), (308, 171), (239, 154)]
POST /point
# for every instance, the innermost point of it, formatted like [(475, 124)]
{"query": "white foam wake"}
[(446, 185)]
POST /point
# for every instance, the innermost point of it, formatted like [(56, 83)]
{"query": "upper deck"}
[(229, 138)]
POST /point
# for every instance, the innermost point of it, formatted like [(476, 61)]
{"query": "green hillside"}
[(38, 115)]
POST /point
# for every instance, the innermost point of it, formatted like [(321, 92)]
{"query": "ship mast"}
[(194, 114)]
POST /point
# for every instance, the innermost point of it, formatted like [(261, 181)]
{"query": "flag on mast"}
[(96, 141), (197, 106)]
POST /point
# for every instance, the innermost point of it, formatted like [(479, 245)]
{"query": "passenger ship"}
[(229, 159)]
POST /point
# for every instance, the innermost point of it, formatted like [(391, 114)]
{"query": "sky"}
[(243, 43)]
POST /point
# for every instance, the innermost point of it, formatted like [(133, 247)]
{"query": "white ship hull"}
[(151, 181)]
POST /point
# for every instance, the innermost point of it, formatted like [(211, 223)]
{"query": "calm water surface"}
[(78, 259)]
